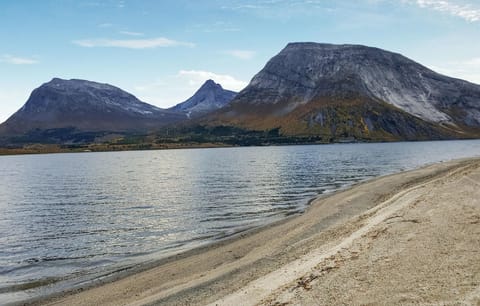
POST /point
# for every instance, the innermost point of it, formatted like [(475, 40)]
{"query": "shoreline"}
[(211, 272), (55, 149)]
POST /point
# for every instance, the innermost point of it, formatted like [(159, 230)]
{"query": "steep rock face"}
[(87, 106), (208, 98), (305, 73)]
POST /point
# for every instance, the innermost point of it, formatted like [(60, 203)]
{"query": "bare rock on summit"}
[(208, 98), (354, 90), (87, 106)]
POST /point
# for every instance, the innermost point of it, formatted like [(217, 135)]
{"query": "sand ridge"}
[(407, 238), (301, 282)]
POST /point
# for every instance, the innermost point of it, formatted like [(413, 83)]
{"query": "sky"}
[(163, 51)]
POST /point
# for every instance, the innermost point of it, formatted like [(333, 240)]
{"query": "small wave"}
[(140, 207), (30, 285), (35, 260)]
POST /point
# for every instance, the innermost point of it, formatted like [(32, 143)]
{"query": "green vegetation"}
[(69, 140), (230, 136), (317, 126)]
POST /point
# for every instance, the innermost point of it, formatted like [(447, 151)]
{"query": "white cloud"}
[(465, 11), (198, 77), (105, 25), (241, 54), (216, 27), (15, 60), (280, 8), (131, 33), (132, 43), (246, 7)]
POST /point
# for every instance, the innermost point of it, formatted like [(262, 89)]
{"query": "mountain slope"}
[(85, 106), (306, 81), (209, 97)]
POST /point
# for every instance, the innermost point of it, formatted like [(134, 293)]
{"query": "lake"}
[(70, 218)]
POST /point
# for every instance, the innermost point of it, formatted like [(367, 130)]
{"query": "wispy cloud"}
[(267, 4), (132, 43), (131, 33), (465, 11), (102, 3), (16, 60), (219, 26), (469, 10), (241, 54), (246, 6), (285, 7), (105, 25), (198, 77)]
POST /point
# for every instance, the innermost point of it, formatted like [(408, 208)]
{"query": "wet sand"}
[(407, 238)]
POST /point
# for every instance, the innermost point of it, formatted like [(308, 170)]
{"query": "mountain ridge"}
[(308, 90), (307, 72), (86, 105)]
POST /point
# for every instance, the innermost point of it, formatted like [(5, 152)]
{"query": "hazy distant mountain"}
[(354, 91), (85, 106), (209, 97)]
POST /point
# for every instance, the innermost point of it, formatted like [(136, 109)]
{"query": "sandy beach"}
[(407, 238)]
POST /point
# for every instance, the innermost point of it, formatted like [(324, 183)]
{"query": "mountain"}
[(307, 92), (353, 91), (85, 106), (208, 98)]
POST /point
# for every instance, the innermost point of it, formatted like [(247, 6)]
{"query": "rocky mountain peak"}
[(75, 94), (78, 84), (210, 84), (86, 105), (209, 97), (303, 72), (302, 46)]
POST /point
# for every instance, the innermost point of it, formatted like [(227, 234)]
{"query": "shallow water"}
[(66, 218)]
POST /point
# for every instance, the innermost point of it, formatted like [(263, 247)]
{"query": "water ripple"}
[(65, 215)]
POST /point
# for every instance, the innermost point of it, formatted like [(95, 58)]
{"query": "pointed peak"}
[(209, 97), (210, 84)]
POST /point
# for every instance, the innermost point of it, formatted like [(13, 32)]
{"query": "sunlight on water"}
[(68, 215)]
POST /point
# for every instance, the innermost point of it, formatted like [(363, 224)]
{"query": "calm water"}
[(67, 218)]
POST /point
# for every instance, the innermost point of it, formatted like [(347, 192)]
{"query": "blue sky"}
[(162, 51)]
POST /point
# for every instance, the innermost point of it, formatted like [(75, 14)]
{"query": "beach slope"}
[(407, 238)]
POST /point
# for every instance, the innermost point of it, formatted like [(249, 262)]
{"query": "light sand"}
[(408, 238)]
